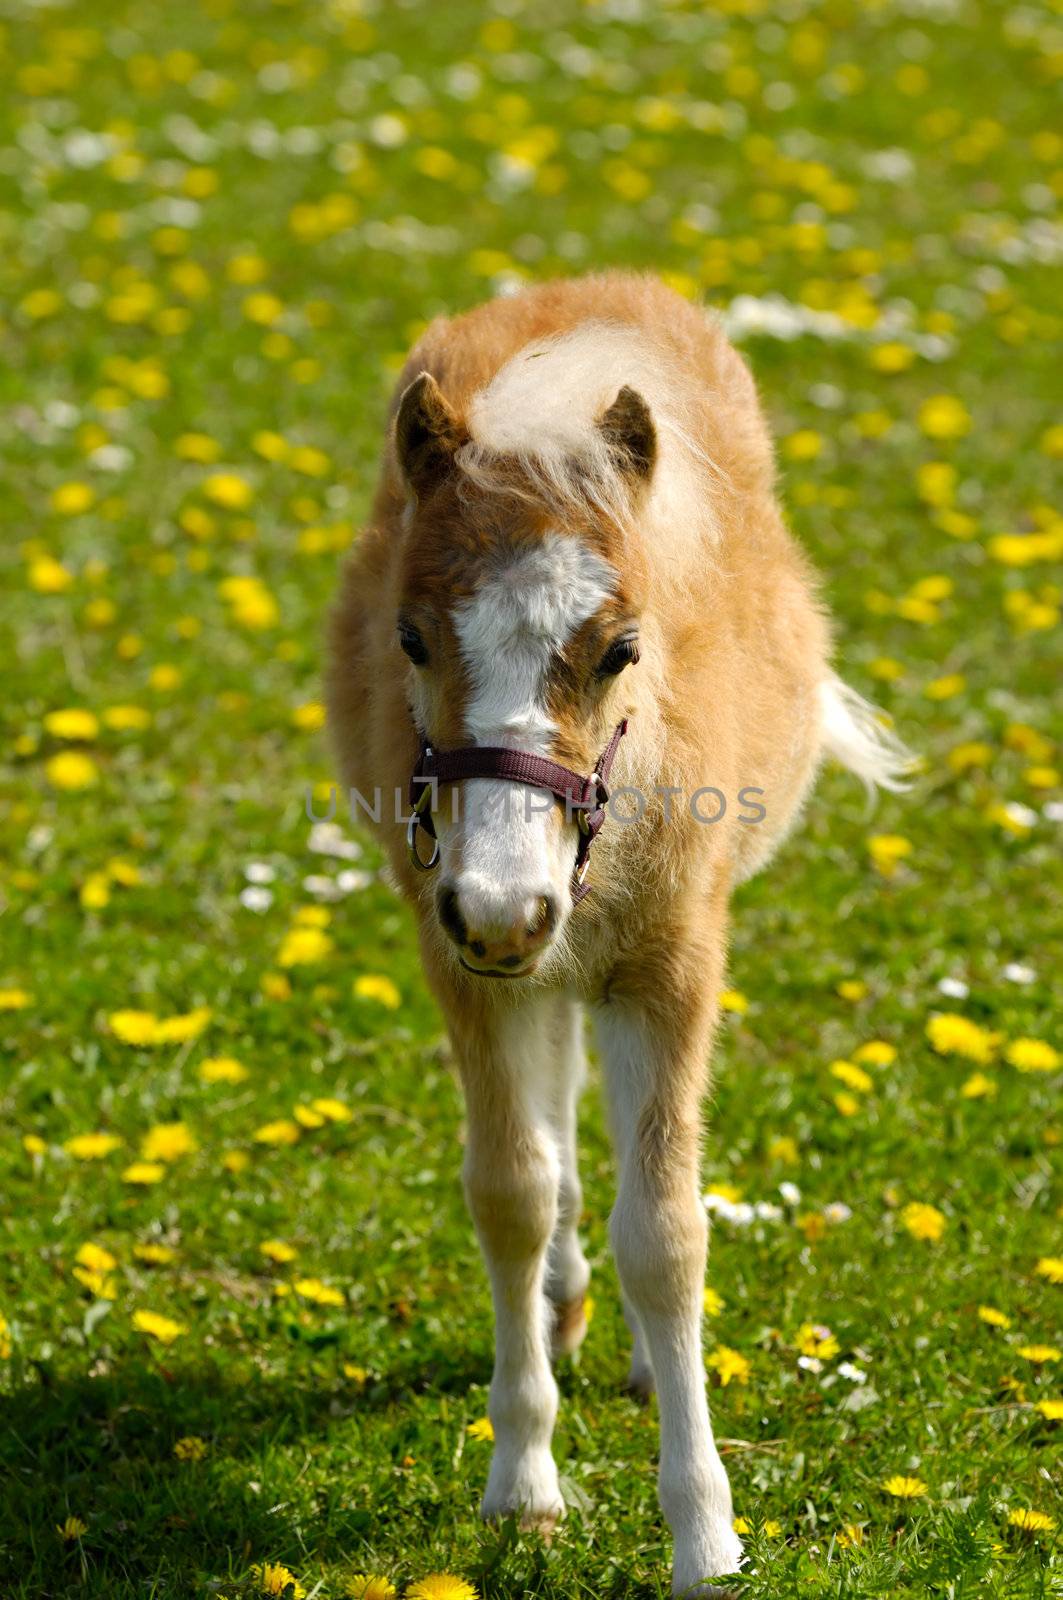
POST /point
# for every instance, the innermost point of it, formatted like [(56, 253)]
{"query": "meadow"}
[(244, 1330)]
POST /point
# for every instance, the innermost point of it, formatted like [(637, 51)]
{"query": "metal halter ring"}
[(413, 827)]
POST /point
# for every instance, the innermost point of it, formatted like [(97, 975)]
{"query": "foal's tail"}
[(855, 735)]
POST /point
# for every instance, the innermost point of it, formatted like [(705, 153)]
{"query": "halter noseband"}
[(586, 797)]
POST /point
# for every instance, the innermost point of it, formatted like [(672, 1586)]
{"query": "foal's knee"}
[(512, 1197), (659, 1241)]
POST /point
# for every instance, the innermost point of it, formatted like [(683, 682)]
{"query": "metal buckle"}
[(581, 872)]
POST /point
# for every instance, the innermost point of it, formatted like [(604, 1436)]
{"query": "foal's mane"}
[(535, 432)]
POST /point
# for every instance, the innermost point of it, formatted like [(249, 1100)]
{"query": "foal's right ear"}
[(427, 433)]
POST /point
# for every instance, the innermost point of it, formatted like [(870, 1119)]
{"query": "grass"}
[(221, 227)]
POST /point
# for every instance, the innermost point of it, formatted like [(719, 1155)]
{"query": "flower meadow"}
[(244, 1332)]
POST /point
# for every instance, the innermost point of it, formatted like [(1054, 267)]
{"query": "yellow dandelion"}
[(270, 446), (804, 445), (852, 989), (712, 1303), (358, 1375), (923, 1221), (222, 1069), (734, 1001), (332, 1110), (71, 770), (946, 688), (853, 1076), (180, 1029), (902, 1487), (368, 1586), (71, 1529), (49, 576), (280, 1132), (1050, 1267), (191, 1448), (481, 1429), (887, 851), (310, 716), (156, 1326), (134, 1027), (1032, 1055), (978, 1087), (952, 1035), (96, 1258), (993, 1318), (228, 490), (729, 1365), (142, 1174), (126, 719), (371, 986), (277, 1250), (1039, 1354), (944, 416), (14, 999), (154, 1255), (892, 357), (74, 723), (1051, 1410), (1031, 1521), (91, 1146), (304, 946), (197, 447), (318, 1293), (441, 1586), (876, 1052), (167, 1141), (307, 1118), (71, 499), (274, 1578), (814, 1340)]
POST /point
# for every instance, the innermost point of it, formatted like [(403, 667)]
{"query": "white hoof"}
[(527, 1488), (695, 1570)]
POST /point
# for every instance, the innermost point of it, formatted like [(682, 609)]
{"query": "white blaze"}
[(507, 848)]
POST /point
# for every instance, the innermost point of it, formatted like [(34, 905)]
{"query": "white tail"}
[(854, 734)]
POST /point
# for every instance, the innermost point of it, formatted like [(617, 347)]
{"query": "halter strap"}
[(585, 796)]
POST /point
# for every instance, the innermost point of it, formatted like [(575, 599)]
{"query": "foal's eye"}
[(620, 654), (413, 644)]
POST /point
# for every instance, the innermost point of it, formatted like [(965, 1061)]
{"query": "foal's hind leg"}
[(567, 1272)]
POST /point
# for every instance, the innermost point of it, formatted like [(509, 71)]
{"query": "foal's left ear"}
[(629, 431), (427, 433)]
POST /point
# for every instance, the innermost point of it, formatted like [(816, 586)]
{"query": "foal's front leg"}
[(654, 1066), (511, 1184)]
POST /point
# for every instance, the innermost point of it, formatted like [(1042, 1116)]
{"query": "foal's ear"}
[(631, 436), (427, 433)]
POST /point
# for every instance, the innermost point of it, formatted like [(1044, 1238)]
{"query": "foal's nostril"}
[(450, 916), (545, 919)]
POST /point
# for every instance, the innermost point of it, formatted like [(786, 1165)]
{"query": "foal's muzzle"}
[(489, 942)]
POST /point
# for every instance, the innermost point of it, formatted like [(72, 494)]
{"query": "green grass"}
[(143, 151)]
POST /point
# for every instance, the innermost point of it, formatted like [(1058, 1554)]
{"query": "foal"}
[(576, 561)]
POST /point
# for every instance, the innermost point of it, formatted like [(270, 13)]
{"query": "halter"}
[(587, 797)]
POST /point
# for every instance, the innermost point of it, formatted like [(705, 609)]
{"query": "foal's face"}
[(516, 631)]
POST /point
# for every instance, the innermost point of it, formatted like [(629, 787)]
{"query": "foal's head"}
[(519, 612)]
